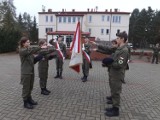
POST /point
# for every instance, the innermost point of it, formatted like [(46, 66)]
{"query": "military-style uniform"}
[(155, 54), (43, 68), (27, 70), (86, 64), (117, 71), (59, 60)]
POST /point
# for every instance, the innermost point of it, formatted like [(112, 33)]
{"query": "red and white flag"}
[(76, 49), (59, 51)]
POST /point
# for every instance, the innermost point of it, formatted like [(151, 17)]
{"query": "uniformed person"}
[(59, 60), (27, 71), (43, 66), (156, 50), (108, 61), (117, 71), (86, 65)]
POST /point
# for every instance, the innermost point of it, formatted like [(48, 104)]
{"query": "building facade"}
[(102, 25)]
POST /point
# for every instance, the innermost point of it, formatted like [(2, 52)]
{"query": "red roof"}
[(66, 33)]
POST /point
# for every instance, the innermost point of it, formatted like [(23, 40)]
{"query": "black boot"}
[(112, 112), (27, 105), (82, 78), (47, 90), (60, 75), (31, 101), (109, 102), (85, 79), (109, 97), (57, 76), (108, 109), (44, 92)]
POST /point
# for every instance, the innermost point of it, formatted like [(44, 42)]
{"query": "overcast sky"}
[(34, 6)]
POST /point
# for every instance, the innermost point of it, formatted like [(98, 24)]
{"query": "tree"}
[(34, 31), (8, 16), (140, 27), (132, 27)]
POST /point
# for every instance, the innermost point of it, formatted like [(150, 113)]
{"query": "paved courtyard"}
[(71, 99)]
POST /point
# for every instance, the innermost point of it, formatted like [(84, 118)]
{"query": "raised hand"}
[(94, 49), (94, 43), (44, 46)]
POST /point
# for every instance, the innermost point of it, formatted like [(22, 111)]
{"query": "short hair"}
[(22, 41), (41, 42), (122, 35)]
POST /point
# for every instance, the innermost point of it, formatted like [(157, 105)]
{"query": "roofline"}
[(82, 13)]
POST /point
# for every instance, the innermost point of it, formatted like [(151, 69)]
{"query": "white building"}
[(101, 25)]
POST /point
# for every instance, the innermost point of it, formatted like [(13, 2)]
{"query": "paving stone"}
[(71, 99)]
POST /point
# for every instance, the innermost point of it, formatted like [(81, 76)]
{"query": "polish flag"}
[(76, 56), (59, 51)]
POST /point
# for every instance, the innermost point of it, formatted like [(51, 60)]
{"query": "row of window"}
[(107, 31), (74, 19), (49, 18), (68, 19)]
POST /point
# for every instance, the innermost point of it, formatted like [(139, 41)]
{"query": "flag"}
[(76, 56), (59, 51)]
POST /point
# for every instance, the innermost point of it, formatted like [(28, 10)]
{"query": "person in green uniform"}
[(107, 62), (59, 60), (86, 65), (156, 50), (117, 72), (43, 65), (27, 71)]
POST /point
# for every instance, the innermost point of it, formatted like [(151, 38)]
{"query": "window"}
[(79, 19), (49, 30), (64, 19), (103, 17), (60, 19), (69, 19), (102, 31), (51, 18), (90, 30), (74, 19), (114, 19), (108, 18), (107, 31), (46, 18), (90, 19), (119, 19)]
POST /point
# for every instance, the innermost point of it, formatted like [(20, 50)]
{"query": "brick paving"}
[(71, 99)]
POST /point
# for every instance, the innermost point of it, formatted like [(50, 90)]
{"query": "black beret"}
[(107, 61), (37, 58)]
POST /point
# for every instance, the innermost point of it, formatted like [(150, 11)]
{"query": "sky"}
[(32, 7)]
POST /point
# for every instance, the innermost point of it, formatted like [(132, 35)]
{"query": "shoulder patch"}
[(120, 62)]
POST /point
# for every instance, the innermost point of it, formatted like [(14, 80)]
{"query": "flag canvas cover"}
[(76, 49)]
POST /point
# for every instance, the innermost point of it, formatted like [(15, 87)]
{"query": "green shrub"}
[(9, 40)]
